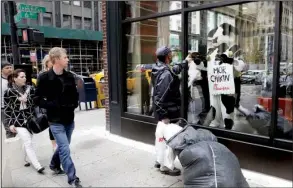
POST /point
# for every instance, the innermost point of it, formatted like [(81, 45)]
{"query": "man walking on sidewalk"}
[(166, 102), (56, 92)]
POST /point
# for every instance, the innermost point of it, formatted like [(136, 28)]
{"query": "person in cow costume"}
[(222, 48)]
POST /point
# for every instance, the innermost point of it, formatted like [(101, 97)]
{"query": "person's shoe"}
[(27, 164), (40, 170), (174, 172), (58, 171), (76, 183), (157, 165)]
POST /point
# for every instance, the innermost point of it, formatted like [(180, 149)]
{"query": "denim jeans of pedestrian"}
[(62, 135)]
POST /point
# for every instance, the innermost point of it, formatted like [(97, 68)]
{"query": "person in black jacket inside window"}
[(57, 93), (166, 98)]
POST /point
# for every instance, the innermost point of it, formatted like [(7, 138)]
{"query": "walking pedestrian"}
[(18, 109), (57, 93), (166, 102), (47, 65), (6, 70)]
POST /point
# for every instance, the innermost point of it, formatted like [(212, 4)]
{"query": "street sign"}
[(29, 15), (30, 8), (28, 12)]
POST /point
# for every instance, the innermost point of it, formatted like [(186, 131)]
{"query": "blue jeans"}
[(62, 135)]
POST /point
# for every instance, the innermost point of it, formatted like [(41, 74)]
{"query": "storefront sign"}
[(221, 79)]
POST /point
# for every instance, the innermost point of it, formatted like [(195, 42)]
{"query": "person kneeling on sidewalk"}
[(166, 102), (57, 93)]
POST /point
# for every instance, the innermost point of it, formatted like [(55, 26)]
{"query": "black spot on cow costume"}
[(222, 48)]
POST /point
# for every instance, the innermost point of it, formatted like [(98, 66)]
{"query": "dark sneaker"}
[(175, 172), (41, 170), (58, 171), (76, 183), (157, 165), (27, 164)]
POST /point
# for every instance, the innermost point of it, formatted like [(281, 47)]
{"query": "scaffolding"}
[(85, 57)]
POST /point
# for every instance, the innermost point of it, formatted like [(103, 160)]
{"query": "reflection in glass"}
[(143, 8), (245, 35), (143, 39), (285, 118), (197, 3)]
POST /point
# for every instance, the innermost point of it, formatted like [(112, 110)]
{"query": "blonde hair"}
[(45, 62), (55, 53)]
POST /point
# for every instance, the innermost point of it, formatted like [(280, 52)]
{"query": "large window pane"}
[(285, 119), (245, 34), (143, 8), (143, 39)]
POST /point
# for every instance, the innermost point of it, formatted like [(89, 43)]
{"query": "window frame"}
[(271, 141)]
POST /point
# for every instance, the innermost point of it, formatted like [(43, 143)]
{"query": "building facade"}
[(135, 29), (73, 25)]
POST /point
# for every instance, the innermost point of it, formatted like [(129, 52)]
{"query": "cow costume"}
[(222, 48)]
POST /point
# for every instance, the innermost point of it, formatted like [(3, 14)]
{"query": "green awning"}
[(62, 33)]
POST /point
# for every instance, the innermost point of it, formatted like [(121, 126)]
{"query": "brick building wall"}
[(105, 63)]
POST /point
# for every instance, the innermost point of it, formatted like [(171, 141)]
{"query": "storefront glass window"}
[(245, 35), (143, 8), (143, 39), (285, 118)]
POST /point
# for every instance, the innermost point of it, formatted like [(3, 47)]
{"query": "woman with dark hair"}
[(18, 109)]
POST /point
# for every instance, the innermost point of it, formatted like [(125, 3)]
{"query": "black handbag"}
[(38, 123)]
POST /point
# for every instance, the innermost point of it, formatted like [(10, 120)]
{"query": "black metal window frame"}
[(265, 141)]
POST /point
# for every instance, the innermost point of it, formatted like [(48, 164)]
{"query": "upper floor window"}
[(88, 23), (66, 2), (66, 21), (77, 22), (87, 4), (47, 19), (77, 3)]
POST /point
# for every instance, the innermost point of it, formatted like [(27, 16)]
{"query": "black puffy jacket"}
[(166, 96)]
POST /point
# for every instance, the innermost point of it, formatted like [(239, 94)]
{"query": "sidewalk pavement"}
[(106, 160)]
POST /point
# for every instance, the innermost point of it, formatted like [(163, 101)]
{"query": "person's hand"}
[(12, 128)]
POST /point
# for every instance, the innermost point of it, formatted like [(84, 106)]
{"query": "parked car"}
[(249, 77)]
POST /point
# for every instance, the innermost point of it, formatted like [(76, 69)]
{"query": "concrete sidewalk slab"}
[(106, 160)]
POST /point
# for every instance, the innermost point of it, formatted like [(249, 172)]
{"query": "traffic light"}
[(32, 36)]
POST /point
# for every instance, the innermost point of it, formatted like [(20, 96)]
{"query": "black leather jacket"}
[(58, 95), (166, 96)]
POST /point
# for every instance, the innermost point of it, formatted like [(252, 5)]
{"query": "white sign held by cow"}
[(221, 79)]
